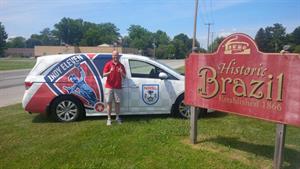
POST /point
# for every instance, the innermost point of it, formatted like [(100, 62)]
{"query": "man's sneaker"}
[(119, 120), (108, 122)]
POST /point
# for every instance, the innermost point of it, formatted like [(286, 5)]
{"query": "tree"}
[(140, 38), (293, 39), (47, 37), (31, 43), (171, 51), (100, 33), (271, 39), (296, 36), (180, 49), (183, 45), (3, 37), (261, 40), (17, 42), (215, 44), (278, 35), (69, 31), (161, 38), (165, 51), (297, 49), (184, 38), (125, 41)]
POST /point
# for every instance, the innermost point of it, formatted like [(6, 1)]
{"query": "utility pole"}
[(195, 23), (194, 110), (208, 32)]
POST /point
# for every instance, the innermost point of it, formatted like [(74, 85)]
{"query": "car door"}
[(147, 92)]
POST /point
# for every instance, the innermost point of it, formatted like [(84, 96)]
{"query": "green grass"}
[(181, 69), (225, 141), (16, 63)]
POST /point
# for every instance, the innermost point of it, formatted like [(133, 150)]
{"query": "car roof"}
[(63, 56), (49, 60)]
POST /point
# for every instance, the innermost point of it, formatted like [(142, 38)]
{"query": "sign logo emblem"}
[(150, 93), (233, 46)]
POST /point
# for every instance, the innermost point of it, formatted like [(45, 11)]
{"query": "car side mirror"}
[(163, 75)]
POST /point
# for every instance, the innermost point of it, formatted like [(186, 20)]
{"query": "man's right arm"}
[(106, 71), (106, 74)]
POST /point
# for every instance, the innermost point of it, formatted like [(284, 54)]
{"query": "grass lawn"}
[(181, 69), (225, 141), (16, 63)]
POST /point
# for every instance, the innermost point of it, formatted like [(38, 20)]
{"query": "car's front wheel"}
[(66, 109), (179, 109)]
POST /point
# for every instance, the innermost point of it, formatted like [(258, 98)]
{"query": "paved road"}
[(12, 83), (12, 78), (173, 63), (12, 86)]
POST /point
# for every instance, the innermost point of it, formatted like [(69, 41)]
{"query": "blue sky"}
[(25, 17)]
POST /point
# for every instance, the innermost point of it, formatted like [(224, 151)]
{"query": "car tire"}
[(179, 109), (66, 108)]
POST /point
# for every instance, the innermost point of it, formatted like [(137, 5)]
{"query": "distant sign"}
[(242, 80)]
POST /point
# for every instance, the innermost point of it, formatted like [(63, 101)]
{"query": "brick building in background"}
[(38, 51), (53, 50), (19, 52)]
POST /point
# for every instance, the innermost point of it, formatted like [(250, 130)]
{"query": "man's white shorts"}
[(113, 94)]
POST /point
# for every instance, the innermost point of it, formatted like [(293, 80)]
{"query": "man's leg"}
[(117, 98), (109, 107), (109, 96), (117, 106)]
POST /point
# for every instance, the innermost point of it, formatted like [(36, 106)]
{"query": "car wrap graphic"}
[(80, 75), (150, 93)]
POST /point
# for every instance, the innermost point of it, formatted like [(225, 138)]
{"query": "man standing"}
[(114, 71)]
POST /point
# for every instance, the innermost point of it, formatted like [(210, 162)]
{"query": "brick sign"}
[(240, 79)]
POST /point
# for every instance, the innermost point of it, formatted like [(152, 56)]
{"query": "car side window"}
[(142, 69)]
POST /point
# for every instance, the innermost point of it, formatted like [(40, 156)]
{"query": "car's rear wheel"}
[(66, 109)]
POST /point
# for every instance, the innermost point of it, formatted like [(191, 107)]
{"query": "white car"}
[(70, 86)]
